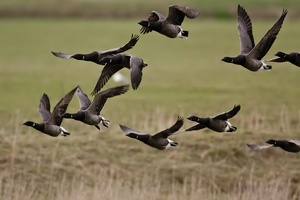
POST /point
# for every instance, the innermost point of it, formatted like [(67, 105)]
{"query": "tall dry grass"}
[(107, 187), (108, 165)]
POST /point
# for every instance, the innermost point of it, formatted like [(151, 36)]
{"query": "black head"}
[(193, 118), (227, 59), (239, 60), (78, 56), (271, 141), (29, 123), (142, 138), (93, 57), (280, 54), (39, 127)]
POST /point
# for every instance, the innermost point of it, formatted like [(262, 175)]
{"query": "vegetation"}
[(183, 77), (134, 8)]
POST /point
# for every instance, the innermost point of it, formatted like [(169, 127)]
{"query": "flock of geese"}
[(250, 57)]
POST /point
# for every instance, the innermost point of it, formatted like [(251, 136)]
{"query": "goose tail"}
[(185, 33)]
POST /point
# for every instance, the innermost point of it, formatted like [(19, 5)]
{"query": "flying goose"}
[(216, 123), (52, 121), (287, 145), (293, 58), (251, 55), (160, 140), (96, 56), (170, 25), (89, 112), (116, 63)]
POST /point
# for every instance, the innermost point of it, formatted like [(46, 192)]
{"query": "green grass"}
[(134, 8), (184, 77)]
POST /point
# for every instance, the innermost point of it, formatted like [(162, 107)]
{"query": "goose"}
[(287, 145), (216, 123), (159, 140), (96, 56), (89, 112), (52, 121), (170, 25), (251, 55), (293, 57), (116, 63)]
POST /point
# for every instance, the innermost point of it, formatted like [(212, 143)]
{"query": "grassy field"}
[(183, 77), (134, 8)]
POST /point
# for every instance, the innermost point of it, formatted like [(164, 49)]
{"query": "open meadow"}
[(183, 77)]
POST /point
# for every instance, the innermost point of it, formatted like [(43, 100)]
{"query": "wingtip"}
[(135, 36), (237, 106), (180, 118), (284, 11), (93, 93), (123, 128)]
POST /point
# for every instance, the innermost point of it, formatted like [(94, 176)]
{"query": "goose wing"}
[(60, 108), (229, 114), (84, 101), (264, 45), (101, 97), (136, 67), (129, 130), (167, 132), (196, 127), (62, 55), (44, 107), (177, 13), (296, 142), (258, 147), (108, 70), (144, 137), (133, 40), (244, 31), (277, 60), (154, 16)]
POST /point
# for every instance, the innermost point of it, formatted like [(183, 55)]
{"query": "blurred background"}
[(136, 8), (183, 77)]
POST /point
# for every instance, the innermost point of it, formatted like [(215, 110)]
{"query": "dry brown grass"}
[(108, 165)]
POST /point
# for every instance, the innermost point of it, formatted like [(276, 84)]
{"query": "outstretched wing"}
[(245, 31), (144, 137), (108, 70), (177, 13), (154, 16), (264, 45), (136, 67), (133, 40), (196, 127), (129, 130), (296, 142), (229, 114), (166, 133), (277, 60), (60, 108), (44, 107), (258, 147), (62, 55), (84, 101), (101, 98)]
